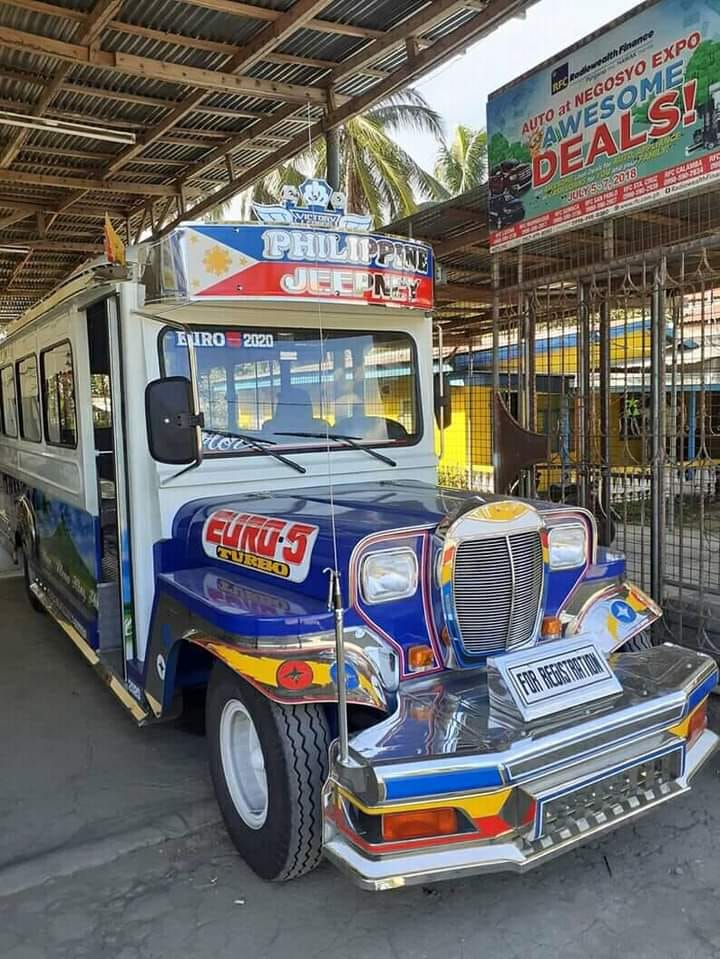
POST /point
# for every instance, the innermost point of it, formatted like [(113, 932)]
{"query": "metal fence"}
[(618, 365)]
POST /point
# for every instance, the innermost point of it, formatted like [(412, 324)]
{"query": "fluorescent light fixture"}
[(65, 127), (21, 250)]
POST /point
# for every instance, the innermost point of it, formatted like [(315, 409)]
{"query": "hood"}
[(287, 536)]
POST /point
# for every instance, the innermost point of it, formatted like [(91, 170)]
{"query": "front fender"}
[(289, 670), (307, 674), (613, 614)]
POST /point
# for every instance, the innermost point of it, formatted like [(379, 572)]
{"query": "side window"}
[(29, 399), (101, 401), (9, 402), (58, 381)]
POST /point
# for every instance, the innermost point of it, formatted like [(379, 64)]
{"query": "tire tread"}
[(307, 746)]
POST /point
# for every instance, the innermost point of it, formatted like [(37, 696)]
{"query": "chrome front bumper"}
[(518, 855), (583, 775)]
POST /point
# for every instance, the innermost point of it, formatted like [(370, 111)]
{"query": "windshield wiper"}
[(350, 441), (261, 445)]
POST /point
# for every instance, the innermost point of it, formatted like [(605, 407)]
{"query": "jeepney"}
[(218, 471)]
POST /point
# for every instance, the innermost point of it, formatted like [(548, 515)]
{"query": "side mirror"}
[(172, 425), (442, 400)]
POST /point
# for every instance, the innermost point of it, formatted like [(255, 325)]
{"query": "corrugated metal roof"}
[(195, 81)]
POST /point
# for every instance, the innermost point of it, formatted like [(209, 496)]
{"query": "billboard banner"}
[(626, 117)]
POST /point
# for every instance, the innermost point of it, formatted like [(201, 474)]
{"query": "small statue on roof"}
[(313, 204)]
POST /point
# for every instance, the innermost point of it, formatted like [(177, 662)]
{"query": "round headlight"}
[(389, 574), (567, 546)]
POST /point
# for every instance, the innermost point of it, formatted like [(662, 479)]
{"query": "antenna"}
[(335, 601)]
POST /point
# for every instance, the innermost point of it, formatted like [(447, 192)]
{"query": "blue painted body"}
[(256, 606)]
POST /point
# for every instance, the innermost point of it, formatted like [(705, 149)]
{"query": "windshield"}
[(267, 383)]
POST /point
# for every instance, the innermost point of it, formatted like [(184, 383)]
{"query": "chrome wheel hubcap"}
[(243, 764)]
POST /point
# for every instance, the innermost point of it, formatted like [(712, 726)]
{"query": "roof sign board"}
[(294, 254), (628, 116)]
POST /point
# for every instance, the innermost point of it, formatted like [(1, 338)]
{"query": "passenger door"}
[(115, 593)]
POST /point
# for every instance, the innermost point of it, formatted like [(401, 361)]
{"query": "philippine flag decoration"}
[(214, 267)]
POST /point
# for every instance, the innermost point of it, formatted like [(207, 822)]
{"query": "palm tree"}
[(379, 176), (462, 165)]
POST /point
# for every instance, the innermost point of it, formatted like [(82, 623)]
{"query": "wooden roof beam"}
[(294, 18), (92, 27), (37, 243), (90, 211), (179, 73), (460, 242), (262, 13), (83, 183), (450, 292), (235, 142), (221, 6), (421, 22), (496, 12), (242, 59)]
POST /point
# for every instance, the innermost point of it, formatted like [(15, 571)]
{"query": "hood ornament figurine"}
[(314, 203)]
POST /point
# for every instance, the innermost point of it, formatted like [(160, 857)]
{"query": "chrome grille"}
[(608, 800), (497, 585)]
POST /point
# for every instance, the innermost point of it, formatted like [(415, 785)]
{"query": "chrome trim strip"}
[(436, 864), (513, 587)]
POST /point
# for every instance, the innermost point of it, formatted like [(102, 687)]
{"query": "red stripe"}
[(265, 280)]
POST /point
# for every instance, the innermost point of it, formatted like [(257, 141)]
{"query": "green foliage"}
[(498, 149), (378, 175), (640, 113), (462, 164), (501, 149), (704, 66)]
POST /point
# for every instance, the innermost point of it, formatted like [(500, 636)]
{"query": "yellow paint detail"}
[(503, 512), (612, 626), (154, 704), (131, 704), (635, 602), (682, 729), (487, 804), (263, 669), (217, 260)]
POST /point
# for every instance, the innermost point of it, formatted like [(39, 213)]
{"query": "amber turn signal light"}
[(419, 824), (698, 722), (420, 657), (551, 628)]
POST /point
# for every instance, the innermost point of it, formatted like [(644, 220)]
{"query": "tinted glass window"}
[(59, 396), (273, 382), (9, 403), (30, 428)]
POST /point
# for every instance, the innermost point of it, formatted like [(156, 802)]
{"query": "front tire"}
[(268, 764)]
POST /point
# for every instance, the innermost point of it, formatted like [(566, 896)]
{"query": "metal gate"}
[(618, 365)]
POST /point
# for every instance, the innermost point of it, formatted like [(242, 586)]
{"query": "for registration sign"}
[(555, 677)]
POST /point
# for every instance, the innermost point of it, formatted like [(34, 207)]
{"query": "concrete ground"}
[(85, 796), (74, 767)]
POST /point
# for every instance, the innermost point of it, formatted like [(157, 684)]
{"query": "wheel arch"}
[(26, 534), (183, 647)]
